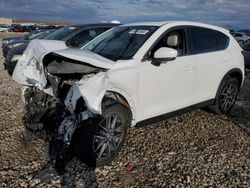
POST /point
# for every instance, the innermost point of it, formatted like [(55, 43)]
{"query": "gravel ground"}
[(197, 149)]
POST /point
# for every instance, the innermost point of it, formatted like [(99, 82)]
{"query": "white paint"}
[(30, 64), (87, 57), (165, 53), (150, 90)]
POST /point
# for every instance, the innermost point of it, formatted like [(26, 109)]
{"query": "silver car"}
[(240, 37)]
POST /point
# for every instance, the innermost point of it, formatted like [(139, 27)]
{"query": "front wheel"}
[(110, 134), (226, 97)]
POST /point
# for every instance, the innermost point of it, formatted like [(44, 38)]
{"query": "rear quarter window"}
[(223, 40), (203, 40)]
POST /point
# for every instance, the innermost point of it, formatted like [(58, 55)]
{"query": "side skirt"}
[(174, 113)]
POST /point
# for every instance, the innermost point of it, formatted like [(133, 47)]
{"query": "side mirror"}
[(164, 54)]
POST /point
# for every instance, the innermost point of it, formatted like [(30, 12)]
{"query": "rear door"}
[(208, 47)]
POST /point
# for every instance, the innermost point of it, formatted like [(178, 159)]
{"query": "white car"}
[(240, 37), (135, 74), (4, 28)]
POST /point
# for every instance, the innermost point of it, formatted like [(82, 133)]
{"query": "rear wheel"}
[(110, 134), (226, 97)]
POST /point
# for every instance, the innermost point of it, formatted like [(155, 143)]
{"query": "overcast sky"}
[(234, 13)]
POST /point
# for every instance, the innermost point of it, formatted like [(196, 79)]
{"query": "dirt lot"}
[(197, 149)]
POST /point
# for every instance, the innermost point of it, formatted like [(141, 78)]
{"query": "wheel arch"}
[(235, 73), (124, 99)]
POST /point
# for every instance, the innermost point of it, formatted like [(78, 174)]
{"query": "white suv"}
[(137, 74)]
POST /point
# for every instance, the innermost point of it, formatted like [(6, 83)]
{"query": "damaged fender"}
[(29, 70), (92, 89)]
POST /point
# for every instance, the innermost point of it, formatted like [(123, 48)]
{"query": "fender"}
[(128, 99)]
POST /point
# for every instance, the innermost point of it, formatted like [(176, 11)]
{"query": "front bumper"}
[(9, 65), (5, 51)]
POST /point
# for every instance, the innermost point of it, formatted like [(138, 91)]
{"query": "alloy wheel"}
[(108, 136), (228, 96)]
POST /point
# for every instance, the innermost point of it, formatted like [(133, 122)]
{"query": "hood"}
[(12, 38), (30, 69), (19, 49), (86, 57), (16, 42)]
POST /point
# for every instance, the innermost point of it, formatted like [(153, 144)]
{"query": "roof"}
[(159, 24), (95, 25)]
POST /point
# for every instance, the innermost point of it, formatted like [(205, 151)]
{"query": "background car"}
[(26, 39), (4, 28), (13, 57), (240, 37), (74, 37), (16, 28), (246, 53), (7, 40)]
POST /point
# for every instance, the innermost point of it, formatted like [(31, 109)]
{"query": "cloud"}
[(210, 11)]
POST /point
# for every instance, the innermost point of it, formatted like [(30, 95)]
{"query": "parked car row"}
[(240, 37), (4, 28), (73, 36), (14, 50), (26, 28), (94, 81)]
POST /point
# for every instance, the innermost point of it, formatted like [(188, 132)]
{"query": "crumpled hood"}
[(29, 70), (87, 57)]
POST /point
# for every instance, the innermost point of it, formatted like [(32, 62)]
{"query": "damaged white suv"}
[(133, 74)]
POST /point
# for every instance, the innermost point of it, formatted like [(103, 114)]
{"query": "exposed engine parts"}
[(49, 120)]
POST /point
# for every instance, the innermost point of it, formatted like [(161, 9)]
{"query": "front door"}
[(168, 87)]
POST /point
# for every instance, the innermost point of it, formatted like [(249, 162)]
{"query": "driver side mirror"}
[(164, 54)]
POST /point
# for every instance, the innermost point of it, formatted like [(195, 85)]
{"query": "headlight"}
[(16, 58), (15, 45), (7, 41)]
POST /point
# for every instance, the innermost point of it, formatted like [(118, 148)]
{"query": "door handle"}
[(188, 68), (225, 60)]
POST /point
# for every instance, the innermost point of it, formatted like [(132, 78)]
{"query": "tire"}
[(241, 42), (226, 96), (109, 137)]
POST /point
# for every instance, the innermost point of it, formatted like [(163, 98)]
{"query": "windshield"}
[(60, 34), (37, 35), (246, 45), (120, 42), (29, 35)]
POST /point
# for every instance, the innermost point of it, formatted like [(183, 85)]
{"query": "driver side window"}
[(174, 39)]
